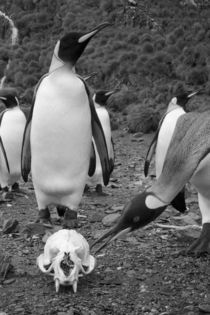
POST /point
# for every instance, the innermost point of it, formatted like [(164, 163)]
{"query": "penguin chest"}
[(165, 136), (61, 131)]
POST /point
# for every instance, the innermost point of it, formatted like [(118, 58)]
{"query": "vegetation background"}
[(152, 47)]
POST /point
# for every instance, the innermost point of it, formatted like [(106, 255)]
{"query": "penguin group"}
[(182, 149), (66, 144)]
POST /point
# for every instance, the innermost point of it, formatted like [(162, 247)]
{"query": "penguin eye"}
[(136, 219)]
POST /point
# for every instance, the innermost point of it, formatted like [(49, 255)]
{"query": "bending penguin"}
[(100, 99), (187, 159), (12, 124), (57, 138), (162, 139)]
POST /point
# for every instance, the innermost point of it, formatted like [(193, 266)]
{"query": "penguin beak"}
[(193, 93), (89, 76), (110, 92), (89, 35), (110, 236)]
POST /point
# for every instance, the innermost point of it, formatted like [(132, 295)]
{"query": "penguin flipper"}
[(26, 152), (112, 156), (92, 166), (150, 154), (99, 138), (2, 144), (100, 142), (4, 154), (179, 201)]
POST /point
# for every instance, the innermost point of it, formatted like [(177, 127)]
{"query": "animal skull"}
[(66, 255)]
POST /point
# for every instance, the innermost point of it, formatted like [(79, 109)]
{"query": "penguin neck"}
[(97, 105), (57, 63), (173, 106)]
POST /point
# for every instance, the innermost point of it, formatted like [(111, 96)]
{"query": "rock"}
[(3, 313), (114, 209), (9, 281), (1, 218), (114, 185), (189, 308), (132, 240), (138, 135), (10, 226), (110, 219), (97, 234), (5, 265), (205, 308), (34, 229), (96, 217)]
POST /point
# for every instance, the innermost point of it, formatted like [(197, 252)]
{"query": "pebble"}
[(205, 308), (189, 308), (114, 209), (19, 310), (10, 226), (9, 281), (95, 218), (110, 219)]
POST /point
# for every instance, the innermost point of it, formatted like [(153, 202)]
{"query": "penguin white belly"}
[(60, 140), (165, 136), (12, 129), (103, 116), (201, 181)]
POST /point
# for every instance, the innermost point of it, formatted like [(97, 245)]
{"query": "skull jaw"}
[(66, 284)]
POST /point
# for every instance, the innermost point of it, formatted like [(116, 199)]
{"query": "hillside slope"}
[(149, 48)]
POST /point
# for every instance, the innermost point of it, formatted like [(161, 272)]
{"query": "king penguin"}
[(162, 139), (100, 99), (187, 159), (12, 124), (57, 138)]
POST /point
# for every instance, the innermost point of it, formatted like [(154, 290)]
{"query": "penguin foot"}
[(70, 219), (86, 189), (201, 246), (15, 187), (6, 195), (99, 190), (44, 217), (61, 210)]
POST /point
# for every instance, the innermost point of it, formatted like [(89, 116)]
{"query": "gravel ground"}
[(142, 273)]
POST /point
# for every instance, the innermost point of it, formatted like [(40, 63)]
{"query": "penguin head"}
[(101, 97), (183, 98), (71, 46), (141, 210), (9, 97)]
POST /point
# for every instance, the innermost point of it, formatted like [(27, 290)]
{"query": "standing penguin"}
[(59, 132), (187, 159), (162, 139), (100, 99), (12, 124)]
